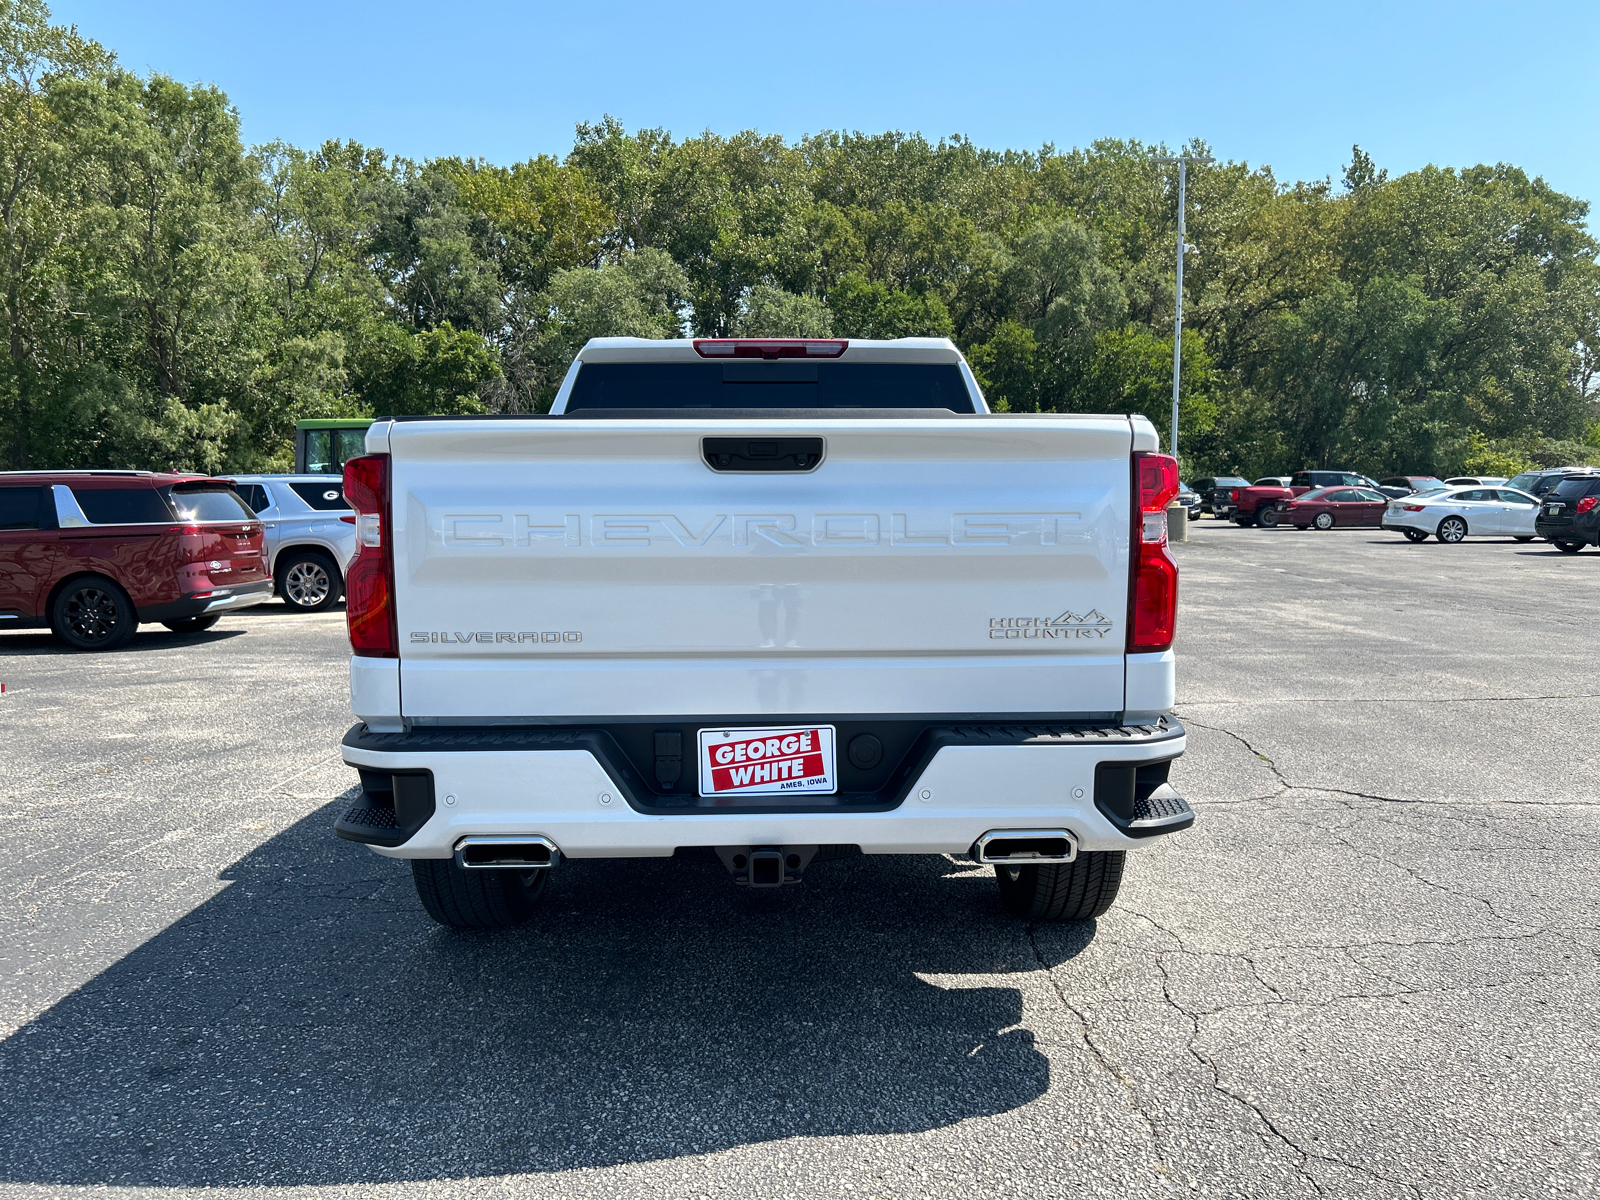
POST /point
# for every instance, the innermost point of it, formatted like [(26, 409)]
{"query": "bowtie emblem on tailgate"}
[(1067, 626)]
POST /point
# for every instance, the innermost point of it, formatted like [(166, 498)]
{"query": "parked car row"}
[(94, 554), (1561, 504)]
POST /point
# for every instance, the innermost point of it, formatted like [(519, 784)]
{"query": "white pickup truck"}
[(773, 600)]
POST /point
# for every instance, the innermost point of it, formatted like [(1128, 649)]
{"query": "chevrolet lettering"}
[(763, 602), (557, 532)]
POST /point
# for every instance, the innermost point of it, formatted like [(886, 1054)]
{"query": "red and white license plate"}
[(761, 762)]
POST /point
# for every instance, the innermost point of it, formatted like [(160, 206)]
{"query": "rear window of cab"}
[(783, 384)]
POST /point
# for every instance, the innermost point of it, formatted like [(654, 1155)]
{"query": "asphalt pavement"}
[(1368, 971)]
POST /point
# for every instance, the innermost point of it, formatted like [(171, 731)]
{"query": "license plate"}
[(764, 762)]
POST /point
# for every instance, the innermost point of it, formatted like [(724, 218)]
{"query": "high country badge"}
[(1067, 626)]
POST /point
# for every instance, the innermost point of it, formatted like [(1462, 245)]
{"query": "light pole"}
[(1183, 161)]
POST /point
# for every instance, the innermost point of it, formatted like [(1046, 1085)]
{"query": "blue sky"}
[(1290, 85)]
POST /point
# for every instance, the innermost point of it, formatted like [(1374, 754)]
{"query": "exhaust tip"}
[(506, 853), (1026, 846)]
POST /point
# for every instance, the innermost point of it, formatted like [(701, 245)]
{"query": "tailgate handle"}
[(761, 454)]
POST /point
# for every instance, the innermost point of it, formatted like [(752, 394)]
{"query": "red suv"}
[(91, 554)]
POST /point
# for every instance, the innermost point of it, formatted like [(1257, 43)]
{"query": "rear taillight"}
[(769, 348), (1587, 503), (1413, 507), (1234, 495), (1153, 591), (369, 583)]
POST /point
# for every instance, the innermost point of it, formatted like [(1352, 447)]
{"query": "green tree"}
[(866, 308), (1011, 369), (41, 181), (644, 295), (172, 300), (403, 372), (772, 312), (1131, 371)]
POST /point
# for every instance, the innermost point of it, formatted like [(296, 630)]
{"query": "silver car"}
[(310, 535)]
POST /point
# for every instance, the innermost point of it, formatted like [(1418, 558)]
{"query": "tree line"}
[(175, 299)]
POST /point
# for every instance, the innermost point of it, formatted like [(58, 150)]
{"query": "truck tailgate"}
[(557, 568)]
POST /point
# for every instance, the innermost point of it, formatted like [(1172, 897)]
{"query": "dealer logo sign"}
[(766, 761), (1067, 626)]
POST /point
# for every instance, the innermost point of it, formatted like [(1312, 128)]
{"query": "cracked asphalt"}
[(1369, 970)]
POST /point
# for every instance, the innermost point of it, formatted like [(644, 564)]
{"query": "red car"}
[(91, 554), (1329, 507)]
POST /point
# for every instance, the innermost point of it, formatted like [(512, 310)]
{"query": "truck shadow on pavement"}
[(309, 1025), (152, 638)]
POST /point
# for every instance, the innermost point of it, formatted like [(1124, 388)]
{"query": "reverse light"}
[(1586, 504), (769, 348), (1153, 590), (369, 582)]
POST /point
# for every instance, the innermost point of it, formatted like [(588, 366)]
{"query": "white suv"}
[(310, 535)]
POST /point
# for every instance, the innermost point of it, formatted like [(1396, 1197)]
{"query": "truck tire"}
[(1076, 891), (93, 613), (1242, 522), (475, 899), (1267, 517), (308, 581)]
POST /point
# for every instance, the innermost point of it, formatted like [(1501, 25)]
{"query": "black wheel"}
[(1194, 514), (465, 899), (93, 613), (1323, 520), (192, 624), (1266, 517), (1525, 537), (1074, 891), (1452, 530), (309, 581), (1242, 522), (1569, 547), (1415, 535)]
